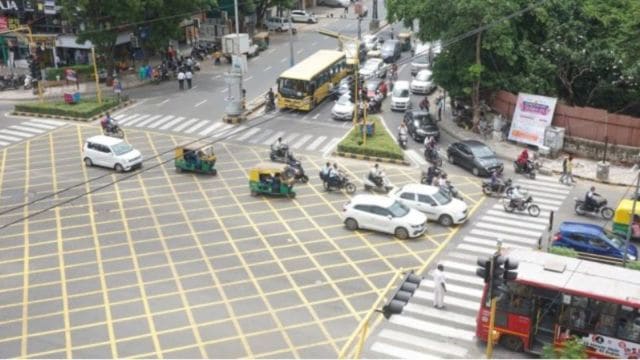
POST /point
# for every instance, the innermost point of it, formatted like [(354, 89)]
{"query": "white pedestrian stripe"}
[(50, 122), (273, 138), (172, 122), (417, 158), (301, 141), (27, 129), (2, 143), (9, 138), (124, 119), (316, 143), (451, 350), (39, 126), (137, 120), (160, 122), (211, 128), (248, 134), (437, 329), (147, 121), (265, 134), (185, 124), (289, 138), (16, 133), (398, 352), (197, 126), (330, 145)]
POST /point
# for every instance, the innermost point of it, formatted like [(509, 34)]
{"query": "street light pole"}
[(375, 23), (292, 61), (633, 214)]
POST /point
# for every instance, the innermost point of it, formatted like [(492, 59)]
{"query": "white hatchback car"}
[(343, 108), (111, 152), (422, 83), (438, 205), (303, 16), (384, 214), (401, 96)]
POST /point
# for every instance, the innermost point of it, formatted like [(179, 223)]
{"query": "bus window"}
[(577, 318), (629, 325), (603, 317)]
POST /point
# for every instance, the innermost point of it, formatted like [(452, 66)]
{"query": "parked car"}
[(474, 156), (373, 68), (401, 96), (391, 51), (384, 214), (343, 108), (374, 85), (431, 200), (111, 152), (593, 239), (420, 124), (370, 41), (335, 3), (422, 84), (303, 16), (279, 24)]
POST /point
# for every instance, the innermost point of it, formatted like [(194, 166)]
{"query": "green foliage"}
[(381, 144), (85, 109), (84, 71), (634, 265), (572, 349), (563, 251)]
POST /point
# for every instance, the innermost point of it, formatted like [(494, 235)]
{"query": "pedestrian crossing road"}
[(424, 332), (246, 134), (27, 129)]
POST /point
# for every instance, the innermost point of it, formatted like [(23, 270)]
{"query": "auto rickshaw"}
[(405, 40), (622, 216), (196, 157), (269, 180), (262, 40)]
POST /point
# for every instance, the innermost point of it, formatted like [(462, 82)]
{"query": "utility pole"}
[(235, 99), (632, 215), (374, 25), (292, 60)]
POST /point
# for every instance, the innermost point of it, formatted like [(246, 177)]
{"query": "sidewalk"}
[(584, 169)]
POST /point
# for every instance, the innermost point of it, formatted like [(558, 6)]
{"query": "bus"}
[(306, 84), (555, 298)]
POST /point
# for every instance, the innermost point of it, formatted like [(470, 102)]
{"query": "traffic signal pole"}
[(95, 74), (492, 320)]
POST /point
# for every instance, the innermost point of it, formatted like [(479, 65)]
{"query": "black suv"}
[(420, 124)]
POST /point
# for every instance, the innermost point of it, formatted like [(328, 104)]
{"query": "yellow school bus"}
[(306, 84)]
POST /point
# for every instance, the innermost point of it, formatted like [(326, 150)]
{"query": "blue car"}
[(592, 239)]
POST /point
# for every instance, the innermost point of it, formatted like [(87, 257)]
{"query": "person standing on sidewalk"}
[(567, 171), (439, 287), (181, 77), (117, 88), (188, 75)]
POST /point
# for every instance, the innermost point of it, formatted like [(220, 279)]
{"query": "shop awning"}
[(69, 41)]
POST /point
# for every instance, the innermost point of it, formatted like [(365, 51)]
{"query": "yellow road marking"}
[(25, 259)]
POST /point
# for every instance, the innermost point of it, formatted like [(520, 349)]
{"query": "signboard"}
[(4, 23), (531, 117), (8, 5)]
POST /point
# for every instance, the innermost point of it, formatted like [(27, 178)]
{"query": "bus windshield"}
[(292, 88)]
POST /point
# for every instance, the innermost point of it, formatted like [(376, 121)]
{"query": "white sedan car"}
[(384, 214), (422, 84), (373, 68), (303, 16), (370, 41), (438, 205), (343, 108)]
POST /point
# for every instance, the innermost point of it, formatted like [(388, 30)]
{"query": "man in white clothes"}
[(439, 287)]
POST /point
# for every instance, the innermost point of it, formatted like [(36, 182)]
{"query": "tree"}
[(572, 348), (263, 5)]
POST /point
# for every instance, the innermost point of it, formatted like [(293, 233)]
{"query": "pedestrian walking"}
[(439, 287), (188, 75), (567, 171), (189, 64), (440, 105), (117, 88), (181, 77)]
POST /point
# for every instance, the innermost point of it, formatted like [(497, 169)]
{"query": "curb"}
[(371, 158), (253, 106), (106, 89), (61, 117)]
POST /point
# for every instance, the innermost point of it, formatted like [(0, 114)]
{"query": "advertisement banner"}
[(4, 23), (532, 115)]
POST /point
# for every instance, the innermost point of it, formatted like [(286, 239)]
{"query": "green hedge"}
[(381, 144), (84, 71), (86, 108), (563, 251)]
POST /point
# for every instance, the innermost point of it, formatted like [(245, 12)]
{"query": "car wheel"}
[(119, 168), (445, 220), (401, 233), (452, 159), (310, 21), (351, 224), (475, 171), (88, 162)]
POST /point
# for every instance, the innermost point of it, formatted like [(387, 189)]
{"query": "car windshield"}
[(370, 65), (423, 120), (398, 210), (371, 85), (344, 100), (482, 152), (401, 93), (423, 76), (615, 239), (442, 197), (122, 148)]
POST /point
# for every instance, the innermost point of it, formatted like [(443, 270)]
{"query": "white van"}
[(111, 152), (279, 24), (401, 96)]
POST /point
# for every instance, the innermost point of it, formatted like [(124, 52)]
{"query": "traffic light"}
[(496, 271), (484, 268), (401, 297), (510, 267)]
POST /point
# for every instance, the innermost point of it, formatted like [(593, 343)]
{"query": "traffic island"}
[(371, 143), (78, 110)]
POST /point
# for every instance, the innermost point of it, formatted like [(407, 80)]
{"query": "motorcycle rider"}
[(430, 145), (107, 123), (442, 182), (424, 104), (278, 147), (271, 98), (523, 160), (590, 200), (495, 180), (377, 100), (325, 172), (432, 172), (375, 175), (517, 197), (334, 175), (402, 130)]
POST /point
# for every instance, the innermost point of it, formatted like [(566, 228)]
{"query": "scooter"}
[(601, 209), (432, 156), (402, 140), (113, 130), (374, 106), (283, 156), (295, 171), (341, 182), (528, 169), (497, 189), (269, 105), (383, 187)]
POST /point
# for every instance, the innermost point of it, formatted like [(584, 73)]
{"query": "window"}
[(598, 243), (408, 196), (379, 211), (578, 238), (628, 326), (426, 199), (365, 208)]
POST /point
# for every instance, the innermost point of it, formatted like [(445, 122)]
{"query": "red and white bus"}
[(557, 297)]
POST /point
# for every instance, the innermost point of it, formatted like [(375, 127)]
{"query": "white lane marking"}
[(316, 142), (200, 103), (16, 133), (522, 223), (270, 51), (51, 122), (417, 158), (2, 143), (301, 142), (10, 138), (490, 243), (224, 90), (186, 124), (248, 134), (39, 126), (248, 78), (265, 134), (172, 122), (267, 68), (160, 122), (147, 121), (283, 60), (463, 320), (495, 236), (327, 148), (436, 329), (211, 128), (273, 138), (162, 103), (289, 138), (235, 131), (315, 116), (27, 129), (136, 120), (126, 119), (450, 349), (508, 229), (395, 352), (193, 87), (401, 67), (192, 129)]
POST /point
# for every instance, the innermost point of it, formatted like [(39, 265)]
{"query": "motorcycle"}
[(113, 130), (428, 175), (374, 106), (383, 186), (497, 189), (528, 169), (269, 105), (402, 140), (510, 205), (341, 182), (451, 190), (283, 155), (294, 170), (601, 208), (432, 156)]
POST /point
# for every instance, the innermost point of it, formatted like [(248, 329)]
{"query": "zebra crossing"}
[(424, 332), (217, 129), (27, 129)]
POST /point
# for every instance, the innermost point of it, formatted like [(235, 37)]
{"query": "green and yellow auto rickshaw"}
[(196, 157), (269, 180), (622, 216), (405, 40), (262, 40)]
